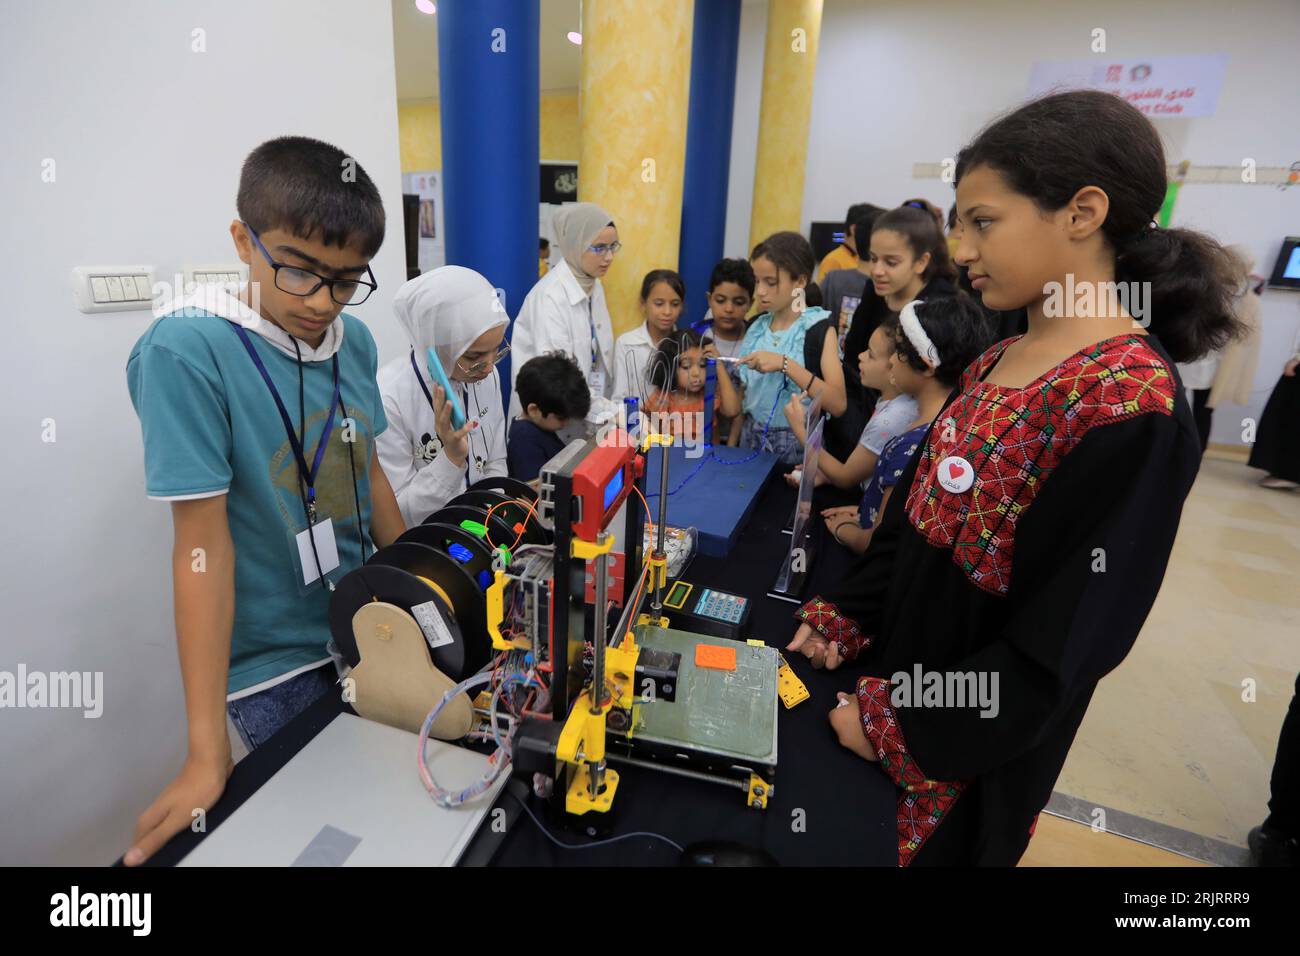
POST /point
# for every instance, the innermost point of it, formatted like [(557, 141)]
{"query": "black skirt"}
[(1277, 442)]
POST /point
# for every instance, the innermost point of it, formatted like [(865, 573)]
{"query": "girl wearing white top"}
[(566, 311), (455, 312), (662, 297)]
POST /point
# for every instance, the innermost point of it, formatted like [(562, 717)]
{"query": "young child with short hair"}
[(552, 391)]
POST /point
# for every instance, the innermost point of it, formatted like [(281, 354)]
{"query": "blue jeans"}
[(258, 716)]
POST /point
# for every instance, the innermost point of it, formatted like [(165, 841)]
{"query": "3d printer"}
[(481, 613), (640, 692)]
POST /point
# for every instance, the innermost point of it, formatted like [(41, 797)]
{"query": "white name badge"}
[(326, 549), (956, 474), (596, 381)]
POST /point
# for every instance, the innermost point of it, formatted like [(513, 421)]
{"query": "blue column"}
[(714, 46), (489, 98)]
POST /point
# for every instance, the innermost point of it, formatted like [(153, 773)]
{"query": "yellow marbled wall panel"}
[(421, 134), (561, 129), (419, 126), (636, 72), (789, 66)]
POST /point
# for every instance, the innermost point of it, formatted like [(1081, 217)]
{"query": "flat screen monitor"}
[(825, 236), (1286, 271)]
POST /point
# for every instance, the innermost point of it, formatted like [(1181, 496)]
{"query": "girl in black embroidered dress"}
[(1041, 509)]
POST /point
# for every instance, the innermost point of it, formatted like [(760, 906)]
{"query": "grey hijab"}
[(576, 227)]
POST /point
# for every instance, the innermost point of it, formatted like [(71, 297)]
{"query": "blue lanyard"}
[(591, 319), (420, 378), (306, 474)]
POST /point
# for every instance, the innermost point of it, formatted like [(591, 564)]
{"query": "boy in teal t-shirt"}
[(259, 409)]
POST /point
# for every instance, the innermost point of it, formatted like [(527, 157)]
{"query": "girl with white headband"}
[(906, 258), (934, 342)]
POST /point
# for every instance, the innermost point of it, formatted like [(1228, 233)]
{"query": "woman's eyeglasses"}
[(476, 367), (602, 249)]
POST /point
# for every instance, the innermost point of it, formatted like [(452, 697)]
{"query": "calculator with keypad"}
[(704, 610)]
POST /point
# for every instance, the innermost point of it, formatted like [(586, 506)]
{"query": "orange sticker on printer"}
[(715, 657)]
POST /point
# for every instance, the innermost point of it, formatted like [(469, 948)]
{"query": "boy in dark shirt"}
[(552, 390)]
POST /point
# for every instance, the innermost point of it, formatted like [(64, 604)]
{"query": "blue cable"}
[(703, 461), (740, 461), (762, 439)]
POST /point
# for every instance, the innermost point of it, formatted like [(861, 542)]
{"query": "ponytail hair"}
[(1054, 146), (789, 251), (922, 234)]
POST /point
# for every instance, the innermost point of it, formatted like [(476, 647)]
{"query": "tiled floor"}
[(1184, 732)]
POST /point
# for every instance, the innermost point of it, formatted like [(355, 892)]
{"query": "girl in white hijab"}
[(566, 311), (455, 312)]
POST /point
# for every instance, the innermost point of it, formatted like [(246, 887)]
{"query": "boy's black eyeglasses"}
[(304, 282)]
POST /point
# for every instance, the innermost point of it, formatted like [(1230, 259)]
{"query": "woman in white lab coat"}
[(455, 312), (566, 309)]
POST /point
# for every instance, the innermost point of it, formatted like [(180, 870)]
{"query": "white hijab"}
[(447, 310)]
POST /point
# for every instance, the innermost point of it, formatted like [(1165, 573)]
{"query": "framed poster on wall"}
[(427, 185), (559, 183)]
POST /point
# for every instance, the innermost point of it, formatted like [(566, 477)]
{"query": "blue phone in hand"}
[(439, 376)]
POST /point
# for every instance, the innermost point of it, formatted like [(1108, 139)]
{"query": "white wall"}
[(148, 138), (744, 127), (900, 82)]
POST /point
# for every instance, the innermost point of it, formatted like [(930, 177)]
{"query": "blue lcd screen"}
[(613, 488), (1292, 270)]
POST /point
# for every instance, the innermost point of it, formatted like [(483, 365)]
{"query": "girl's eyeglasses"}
[(476, 367)]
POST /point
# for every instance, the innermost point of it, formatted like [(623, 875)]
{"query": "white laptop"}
[(353, 797)]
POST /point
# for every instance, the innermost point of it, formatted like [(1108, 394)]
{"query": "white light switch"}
[(219, 272), (114, 288)]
